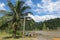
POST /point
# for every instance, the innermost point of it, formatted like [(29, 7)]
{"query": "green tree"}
[(44, 27), (17, 10)]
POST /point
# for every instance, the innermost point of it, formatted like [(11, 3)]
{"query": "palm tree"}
[(17, 10), (29, 24)]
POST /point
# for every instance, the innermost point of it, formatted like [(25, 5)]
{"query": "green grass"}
[(4, 34)]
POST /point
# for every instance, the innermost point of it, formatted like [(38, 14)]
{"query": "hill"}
[(51, 24)]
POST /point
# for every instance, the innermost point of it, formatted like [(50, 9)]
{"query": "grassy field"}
[(3, 36), (20, 39)]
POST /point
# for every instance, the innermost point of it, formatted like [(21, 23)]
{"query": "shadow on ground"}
[(8, 37)]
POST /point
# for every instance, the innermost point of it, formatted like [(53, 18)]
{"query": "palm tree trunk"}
[(14, 34), (14, 30)]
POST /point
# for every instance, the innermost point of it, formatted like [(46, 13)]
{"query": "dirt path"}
[(47, 35), (41, 38)]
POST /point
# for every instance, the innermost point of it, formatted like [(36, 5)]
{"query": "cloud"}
[(46, 6), (30, 3), (38, 11), (37, 18), (49, 6), (2, 5)]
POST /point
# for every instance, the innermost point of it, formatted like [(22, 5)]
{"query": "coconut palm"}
[(17, 10)]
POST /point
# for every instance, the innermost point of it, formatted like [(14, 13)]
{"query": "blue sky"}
[(42, 9)]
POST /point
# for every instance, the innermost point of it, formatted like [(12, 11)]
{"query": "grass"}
[(20, 39), (4, 34)]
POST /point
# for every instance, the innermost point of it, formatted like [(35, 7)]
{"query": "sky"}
[(42, 9)]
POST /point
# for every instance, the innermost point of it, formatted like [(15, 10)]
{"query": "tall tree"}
[(17, 10)]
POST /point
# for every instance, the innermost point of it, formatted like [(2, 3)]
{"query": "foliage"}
[(14, 22), (44, 27), (52, 24)]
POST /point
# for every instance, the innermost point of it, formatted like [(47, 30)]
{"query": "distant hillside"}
[(53, 23), (49, 24)]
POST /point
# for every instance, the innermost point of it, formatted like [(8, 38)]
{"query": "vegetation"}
[(52, 24), (12, 19), (44, 27)]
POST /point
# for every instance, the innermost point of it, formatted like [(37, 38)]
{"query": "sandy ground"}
[(56, 38), (48, 35)]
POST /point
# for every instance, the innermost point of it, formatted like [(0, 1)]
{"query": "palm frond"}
[(11, 6), (5, 24), (32, 21), (9, 14), (18, 6), (25, 8)]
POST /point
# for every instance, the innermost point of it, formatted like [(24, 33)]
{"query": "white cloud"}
[(2, 6), (37, 18), (38, 5), (46, 6), (30, 3), (49, 6), (38, 10)]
